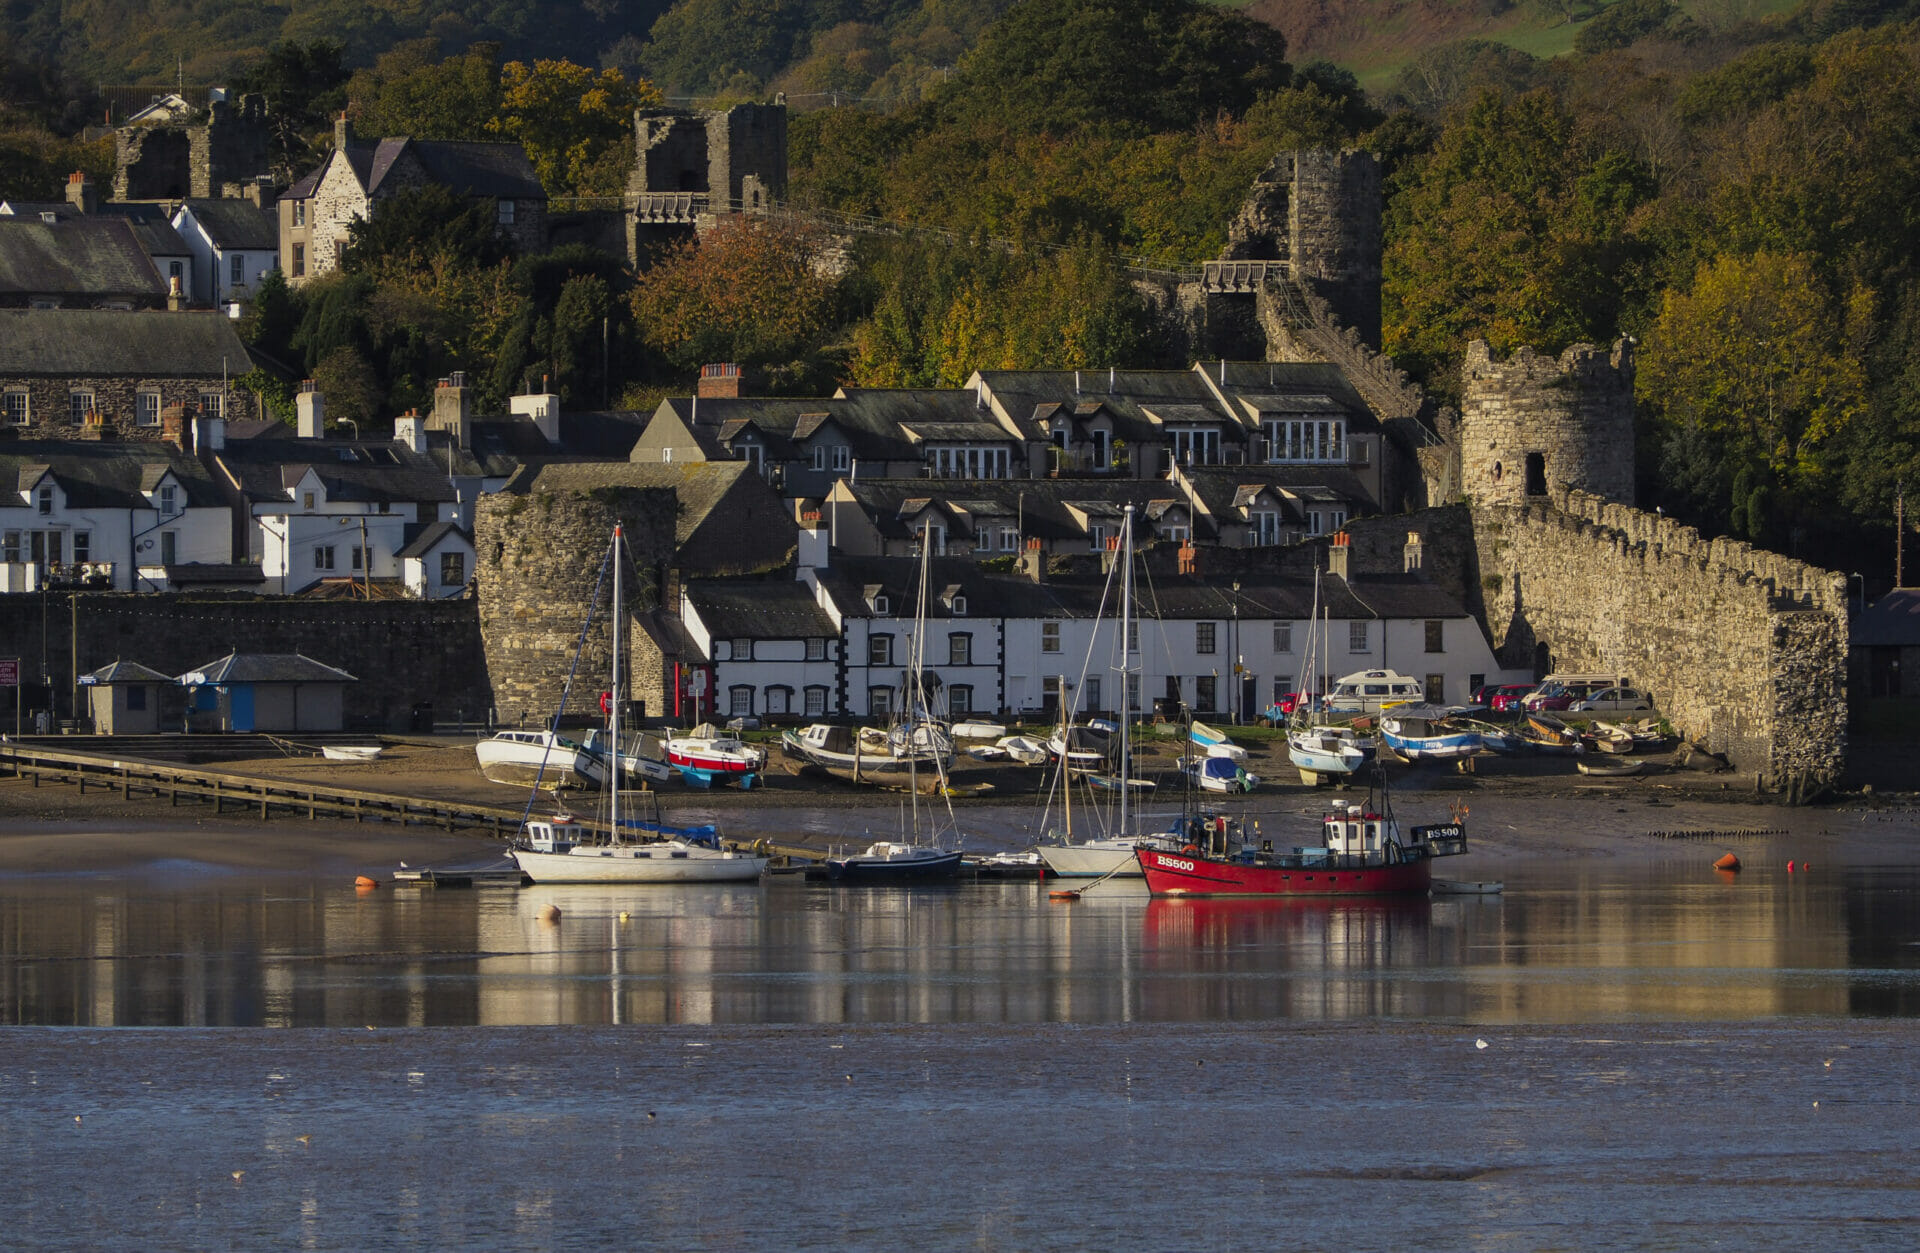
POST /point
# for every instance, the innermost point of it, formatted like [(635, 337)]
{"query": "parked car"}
[(1613, 699), (1550, 697), (1508, 696)]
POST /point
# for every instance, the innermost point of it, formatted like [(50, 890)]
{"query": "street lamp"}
[(1863, 589)]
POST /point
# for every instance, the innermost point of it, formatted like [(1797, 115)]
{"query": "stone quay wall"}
[(1531, 425), (404, 653), (540, 556), (1743, 650)]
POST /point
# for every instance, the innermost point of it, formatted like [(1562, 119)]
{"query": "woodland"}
[(1732, 185)]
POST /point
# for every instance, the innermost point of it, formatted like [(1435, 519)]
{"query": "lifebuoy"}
[(1191, 850)]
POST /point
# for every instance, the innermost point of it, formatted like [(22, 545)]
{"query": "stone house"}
[(127, 517), (233, 244), (317, 213), (96, 373)]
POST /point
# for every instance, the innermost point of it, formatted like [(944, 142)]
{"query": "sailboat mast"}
[(613, 706), (1126, 670)]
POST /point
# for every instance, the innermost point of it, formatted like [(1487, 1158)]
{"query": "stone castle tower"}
[(1318, 210), (1533, 426)]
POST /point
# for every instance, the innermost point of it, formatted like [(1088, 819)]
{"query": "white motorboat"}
[(1024, 749), (978, 730), (710, 755), (644, 757), (538, 759), (869, 755), (351, 752)]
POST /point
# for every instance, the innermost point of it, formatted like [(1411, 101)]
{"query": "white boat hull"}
[(1092, 860), (521, 765), (669, 862)]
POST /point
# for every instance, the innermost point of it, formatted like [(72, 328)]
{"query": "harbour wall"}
[(405, 653)]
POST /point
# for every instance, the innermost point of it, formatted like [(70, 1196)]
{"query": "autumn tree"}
[(575, 123), (1758, 357), (745, 292)]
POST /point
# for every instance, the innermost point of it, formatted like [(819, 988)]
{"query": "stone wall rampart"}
[(402, 652)]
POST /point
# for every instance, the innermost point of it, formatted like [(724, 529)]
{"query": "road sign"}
[(9, 672)]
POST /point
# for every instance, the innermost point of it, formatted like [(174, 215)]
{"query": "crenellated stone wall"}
[(1743, 650), (1531, 424)]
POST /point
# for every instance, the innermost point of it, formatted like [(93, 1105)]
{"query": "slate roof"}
[(1892, 621), (235, 224), (425, 537), (870, 422), (102, 475), (988, 595), (93, 258), (498, 170), (1029, 397), (271, 468), (111, 342), (743, 609), (1223, 490), (125, 672), (265, 668), (1043, 506), (753, 533), (1289, 385), (215, 574)]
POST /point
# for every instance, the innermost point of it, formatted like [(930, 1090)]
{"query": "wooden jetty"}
[(275, 798)]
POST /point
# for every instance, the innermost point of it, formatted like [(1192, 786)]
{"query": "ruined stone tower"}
[(215, 158), (1319, 211), (1531, 426)]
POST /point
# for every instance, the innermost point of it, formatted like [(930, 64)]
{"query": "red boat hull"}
[(1185, 874), (707, 761)]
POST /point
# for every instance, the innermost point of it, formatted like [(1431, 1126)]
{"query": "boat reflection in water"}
[(1224, 958)]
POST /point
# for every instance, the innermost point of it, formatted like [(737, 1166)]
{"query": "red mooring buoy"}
[(1728, 862)]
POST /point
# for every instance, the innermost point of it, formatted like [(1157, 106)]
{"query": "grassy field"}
[(1376, 38)]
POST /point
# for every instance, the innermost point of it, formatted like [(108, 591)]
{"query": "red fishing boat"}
[(1363, 853)]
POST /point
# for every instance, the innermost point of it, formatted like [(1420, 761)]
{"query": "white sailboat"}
[(1322, 749), (564, 851), (1112, 855), (910, 859)]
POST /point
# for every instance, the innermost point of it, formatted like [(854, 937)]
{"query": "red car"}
[(1508, 696), (1288, 703), (1556, 698)]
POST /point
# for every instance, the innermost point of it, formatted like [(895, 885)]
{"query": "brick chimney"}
[(1189, 558), (411, 432), (173, 426), (719, 382), (1337, 555), (1033, 562), (81, 193), (1413, 552)]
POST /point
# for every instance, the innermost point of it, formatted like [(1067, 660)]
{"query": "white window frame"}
[(146, 408), (1357, 637), (1049, 637), (16, 405), (842, 458), (816, 698), (816, 648), (80, 403)]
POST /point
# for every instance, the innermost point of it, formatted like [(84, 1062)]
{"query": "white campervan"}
[(1367, 691)]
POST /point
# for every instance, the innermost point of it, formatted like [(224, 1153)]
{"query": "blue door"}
[(240, 701)]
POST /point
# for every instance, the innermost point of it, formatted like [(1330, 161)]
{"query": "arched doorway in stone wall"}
[(1542, 661)]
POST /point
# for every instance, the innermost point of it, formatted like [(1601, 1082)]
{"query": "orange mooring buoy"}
[(1063, 894), (1728, 862), (366, 884)]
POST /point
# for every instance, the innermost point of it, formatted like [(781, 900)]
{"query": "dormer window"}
[(842, 458), (169, 502), (820, 458), (881, 607), (44, 499), (959, 606), (876, 598)]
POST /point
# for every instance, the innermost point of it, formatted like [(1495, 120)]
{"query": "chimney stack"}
[(342, 131), (81, 193), (411, 431), (209, 434), (1337, 556), (1189, 558), (173, 426), (450, 411), (1033, 562), (310, 407), (719, 382), (1413, 551), (176, 299), (813, 552), (543, 408)]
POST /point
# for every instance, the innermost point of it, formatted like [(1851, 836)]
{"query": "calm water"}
[(1672, 1060)]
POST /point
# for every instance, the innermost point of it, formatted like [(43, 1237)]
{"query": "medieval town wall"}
[(540, 558), (404, 653)]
